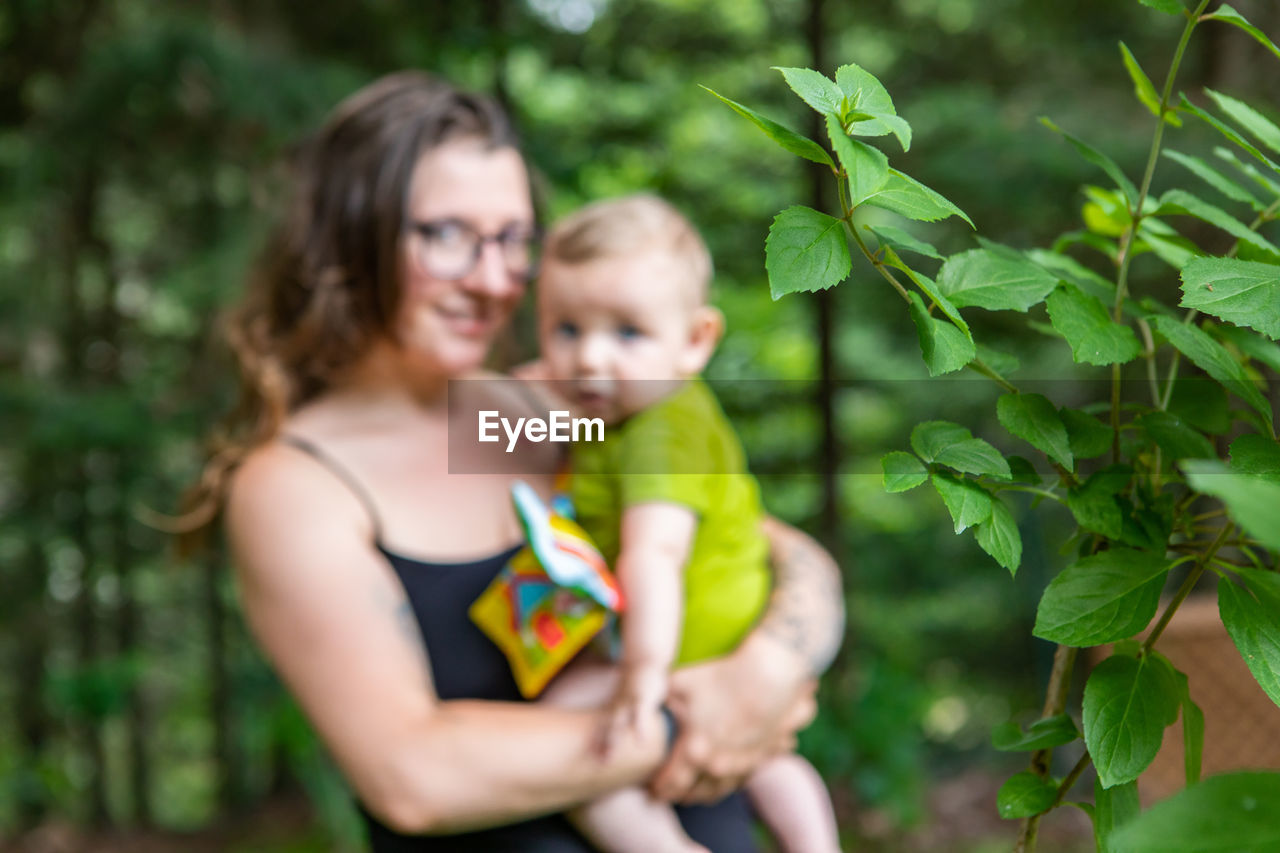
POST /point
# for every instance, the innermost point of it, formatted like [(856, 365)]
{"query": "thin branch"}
[(1188, 584)]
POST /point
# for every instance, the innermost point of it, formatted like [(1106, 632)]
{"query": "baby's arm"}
[(656, 538)]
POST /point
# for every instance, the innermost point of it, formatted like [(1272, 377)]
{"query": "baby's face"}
[(619, 333)]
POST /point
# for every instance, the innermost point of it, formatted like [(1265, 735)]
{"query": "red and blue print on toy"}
[(551, 599)]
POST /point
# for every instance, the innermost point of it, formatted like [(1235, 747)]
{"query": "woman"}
[(407, 246)]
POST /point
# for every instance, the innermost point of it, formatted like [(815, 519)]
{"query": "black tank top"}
[(465, 664)]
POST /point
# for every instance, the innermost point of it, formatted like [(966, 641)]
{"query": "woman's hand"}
[(734, 712)]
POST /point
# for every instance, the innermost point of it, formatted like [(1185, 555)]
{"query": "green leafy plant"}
[(1146, 484)]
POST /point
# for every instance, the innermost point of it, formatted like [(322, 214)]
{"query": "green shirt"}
[(683, 450)]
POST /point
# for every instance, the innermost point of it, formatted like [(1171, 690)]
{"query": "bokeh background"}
[(141, 145)]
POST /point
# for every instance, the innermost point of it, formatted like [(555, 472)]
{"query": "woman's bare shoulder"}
[(280, 499)]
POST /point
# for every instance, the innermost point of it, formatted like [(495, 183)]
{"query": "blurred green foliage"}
[(140, 153)]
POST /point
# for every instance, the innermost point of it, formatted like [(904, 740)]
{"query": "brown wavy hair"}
[(326, 286)]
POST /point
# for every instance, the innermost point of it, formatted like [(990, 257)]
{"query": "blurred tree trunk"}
[(31, 630), (496, 15), (226, 768), (127, 637), (825, 315), (83, 203)]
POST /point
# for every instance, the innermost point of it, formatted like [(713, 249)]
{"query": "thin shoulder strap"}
[(342, 473)]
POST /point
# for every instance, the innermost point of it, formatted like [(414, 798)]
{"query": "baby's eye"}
[(565, 329), (629, 332)]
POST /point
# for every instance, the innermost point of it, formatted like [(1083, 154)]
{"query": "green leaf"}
[(1251, 614), (896, 125), (814, 89), (1251, 344), (1202, 402), (866, 95), (1253, 121), (968, 503), (1143, 87), (1175, 437), (1228, 15), (1023, 471), (1114, 807), (994, 280), (1102, 598), (944, 347), (1042, 734), (1242, 292), (790, 141), (1098, 159), (1128, 703), (902, 240), (1069, 269), (1256, 454), (1095, 508), (902, 471), (1251, 500), (1084, 322), (1229, 132), (974, 456), (867, 168), (864, 92), (1211, 357), (929, 438), (908, 197), (1025, 794), (1229, 813), (1033, 418), (1192, 738), (1001, 362), (1172, 7), (930, 290), (805, 251), (1176, 251), (1088, 436), (999, 537), (1229, 157), (1215, 179), (1181, 201)]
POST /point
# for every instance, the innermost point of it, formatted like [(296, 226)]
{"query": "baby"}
[(625, 330)]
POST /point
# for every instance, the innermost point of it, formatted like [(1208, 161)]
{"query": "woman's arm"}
[(741, 708), (806, 609), (333, 619)]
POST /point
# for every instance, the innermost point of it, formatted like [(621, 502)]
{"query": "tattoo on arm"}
[(806, 608), (407, 623)]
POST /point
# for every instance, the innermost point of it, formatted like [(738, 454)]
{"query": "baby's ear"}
[(704, 333)]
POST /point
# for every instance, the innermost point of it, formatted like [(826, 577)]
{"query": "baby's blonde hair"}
[(633, 225)]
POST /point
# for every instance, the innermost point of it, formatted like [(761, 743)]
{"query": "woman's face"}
[(461, 189)]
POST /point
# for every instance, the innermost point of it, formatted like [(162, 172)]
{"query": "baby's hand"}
[(641, 693)]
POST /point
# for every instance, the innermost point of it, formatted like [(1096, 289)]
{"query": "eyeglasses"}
[(449, 249)]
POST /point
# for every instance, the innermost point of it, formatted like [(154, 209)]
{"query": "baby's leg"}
[(628, 820), (631, 821), (789, 796)]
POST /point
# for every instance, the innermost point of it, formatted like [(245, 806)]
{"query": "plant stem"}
[(1149, 342), (1055, 700), (1187, 585), (1070, 779), (980, 366), (1135, 217), (1044, 493), (875, 262)]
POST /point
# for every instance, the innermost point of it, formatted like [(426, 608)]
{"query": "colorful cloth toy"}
[(550, 600)]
